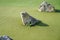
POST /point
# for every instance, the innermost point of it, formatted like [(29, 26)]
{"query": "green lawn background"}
[(11, 25)]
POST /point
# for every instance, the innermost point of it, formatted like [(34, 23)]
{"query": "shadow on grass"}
[(58, 11), (40, 23)]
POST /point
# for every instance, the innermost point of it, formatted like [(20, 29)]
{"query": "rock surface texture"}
[(46, 7), (27, 19), (4, 37)]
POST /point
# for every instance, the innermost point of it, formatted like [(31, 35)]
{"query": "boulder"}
[(46, 7), (27, 19), (4, 37)]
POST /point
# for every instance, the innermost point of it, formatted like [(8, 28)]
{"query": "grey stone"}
[(27, 19), (5, 37), (46, 7)]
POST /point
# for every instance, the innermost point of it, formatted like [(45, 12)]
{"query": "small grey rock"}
[(4, 37), (46, 7), (27, 19)]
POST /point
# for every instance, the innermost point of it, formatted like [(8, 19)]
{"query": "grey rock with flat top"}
[(46, 7), (27, 19), (5, 37)]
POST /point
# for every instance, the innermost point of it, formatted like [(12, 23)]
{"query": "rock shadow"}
[(40, 23), (57, 10)]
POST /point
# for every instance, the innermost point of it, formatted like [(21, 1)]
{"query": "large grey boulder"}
[(46, 7), (5, 37), (27, 19)]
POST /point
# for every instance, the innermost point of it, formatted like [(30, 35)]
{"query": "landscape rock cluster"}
[(29, 20)]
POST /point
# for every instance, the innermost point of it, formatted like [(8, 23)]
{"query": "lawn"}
[(11, 23)]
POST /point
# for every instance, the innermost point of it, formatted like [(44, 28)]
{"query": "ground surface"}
[(10, 21)]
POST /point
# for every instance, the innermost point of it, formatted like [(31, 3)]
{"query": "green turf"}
[(11, 24)]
